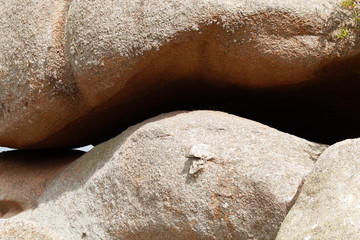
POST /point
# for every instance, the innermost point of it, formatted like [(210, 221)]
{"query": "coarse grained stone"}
[(70, 67), (20, 230), (328, 205), (24, 176), (182, 175)]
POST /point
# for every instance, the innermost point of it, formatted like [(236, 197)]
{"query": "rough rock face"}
[(183, 175), (328, 205), (20, 230), (67, 67), (36, 89), (25, 175)]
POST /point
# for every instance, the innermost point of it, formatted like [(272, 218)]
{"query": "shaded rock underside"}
[(322, 110)]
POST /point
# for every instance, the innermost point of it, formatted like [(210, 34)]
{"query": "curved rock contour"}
[(70, 71), (328, 205), (183, 175)]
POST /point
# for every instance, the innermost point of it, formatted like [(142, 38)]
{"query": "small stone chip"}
[(196, 166), (202, 151), (202, 154)]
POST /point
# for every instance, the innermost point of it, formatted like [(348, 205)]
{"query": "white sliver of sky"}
[(85, 149), (3, 149)]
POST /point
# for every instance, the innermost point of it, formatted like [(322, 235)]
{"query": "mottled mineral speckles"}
[(83, 65), (137, 185), (327, 207)]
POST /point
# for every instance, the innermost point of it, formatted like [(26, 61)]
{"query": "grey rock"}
[(328, 206), (139, 185)]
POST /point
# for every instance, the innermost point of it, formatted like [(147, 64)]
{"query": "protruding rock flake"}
[(202, 151), (199, 154), (197, 165)]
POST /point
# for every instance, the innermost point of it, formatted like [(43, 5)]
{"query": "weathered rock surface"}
[(25, 175), (35, 83), (328, 206), (21, 230), (69, 67), (183, 175)]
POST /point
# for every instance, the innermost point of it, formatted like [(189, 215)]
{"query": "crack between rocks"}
[(293, 201), (296, 196)]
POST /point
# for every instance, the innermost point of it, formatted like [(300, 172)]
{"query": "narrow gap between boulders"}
[(320, 111)]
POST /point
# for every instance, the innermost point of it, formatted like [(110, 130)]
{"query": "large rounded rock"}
[(194, 175), (328, 205), (36, 86), (69, 67)]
